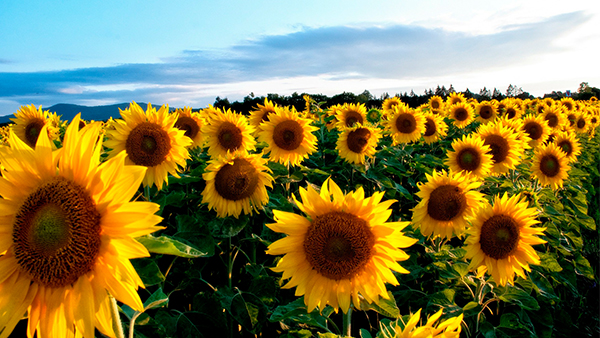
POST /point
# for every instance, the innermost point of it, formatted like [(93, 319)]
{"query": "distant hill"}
[(97, 113)]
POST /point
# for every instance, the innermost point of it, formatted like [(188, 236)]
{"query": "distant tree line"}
[(250, 102)]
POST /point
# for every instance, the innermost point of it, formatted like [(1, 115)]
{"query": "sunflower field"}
[(456, 218)]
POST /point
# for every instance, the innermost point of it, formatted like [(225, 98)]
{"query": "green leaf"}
[(249, 311), (582, 267), (328, 335), (519, 297), (442, 298), (148, 271), (461, 268), (295, 312), (169, 246), (156, 300), (227, 227), (549, 262), (365, 334), (386, 307)]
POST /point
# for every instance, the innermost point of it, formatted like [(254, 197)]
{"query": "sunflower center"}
[(57, 233), (498, 147), (406, 123), (499, 236), (435, 104), (236, 181), (549, 165), (468, 159), (534, 130), (571, 118), (486, 112), (353, 118), (461, 114), (566, 147), (446, 202), (230, 136), (511, 113), (32, 131), (580, 123), (189, 125), (265, 116), (430, 127), (358, 140), (338, 244), (288, 135), (148, 144), (552, 120)]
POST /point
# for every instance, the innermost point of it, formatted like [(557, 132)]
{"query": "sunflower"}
[(449, 328), (470, 156), (512, 109), (150, 139), (536, 128), (191, 123), (504, 147), (236, 182), (500, 238), (516, 127), (447, 201), (568, 143), (436, 105), (289, 137), (67, 234), (344, 250), (454, 98), (582, 122), (227, 131), (374, 116), (261, 114), (486, 111), (568, 103), (435, 128), (550, 165), (405, 124), (28, 123), (358, 142), (351, 114), (554, 116), (388, 104), (461, 113)]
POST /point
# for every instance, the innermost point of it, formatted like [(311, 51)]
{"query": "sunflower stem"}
[(147, 193), (347, 323), (114, 310)]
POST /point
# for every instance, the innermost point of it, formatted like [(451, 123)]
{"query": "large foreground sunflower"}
[(447, 201), (500, 239), (550, 166), (28, 123), (227, 131), (356, 143), (342, 251), (150, 139), (236, 182), (67, 234), (471, 156), (405, 125), (289, 137)]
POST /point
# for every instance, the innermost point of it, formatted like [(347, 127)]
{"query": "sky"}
[(188, 52)]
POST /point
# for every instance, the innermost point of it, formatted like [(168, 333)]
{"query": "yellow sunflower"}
[(436, 105), (550, 166), (500, 239), (536, 128), (261, 114), (435, 128), (67, 232), (28, 123), (448, 200), (554, 116), (344, 250), (388, 104), (516, 127), (568, 103), (405, 125), (150, 139), (235, 183), (461, 114), (568, 143), (486, 111), (289, 137), (471, 156), (512, 109), (506, 151), (454, 98), (449, 328), (582, 122), (191, 123), (358, 142), (351, 114), (227, 132)]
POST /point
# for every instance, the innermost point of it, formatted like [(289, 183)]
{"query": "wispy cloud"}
[(384, 52)]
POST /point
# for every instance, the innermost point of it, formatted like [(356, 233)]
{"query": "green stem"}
[(347, 324), (114, 311), (147, 193)]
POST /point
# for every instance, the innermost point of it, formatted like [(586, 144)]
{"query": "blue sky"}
[(185, 53)]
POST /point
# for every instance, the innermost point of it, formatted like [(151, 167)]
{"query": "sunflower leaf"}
[(157, 299), (386, 307), (169, 246)]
